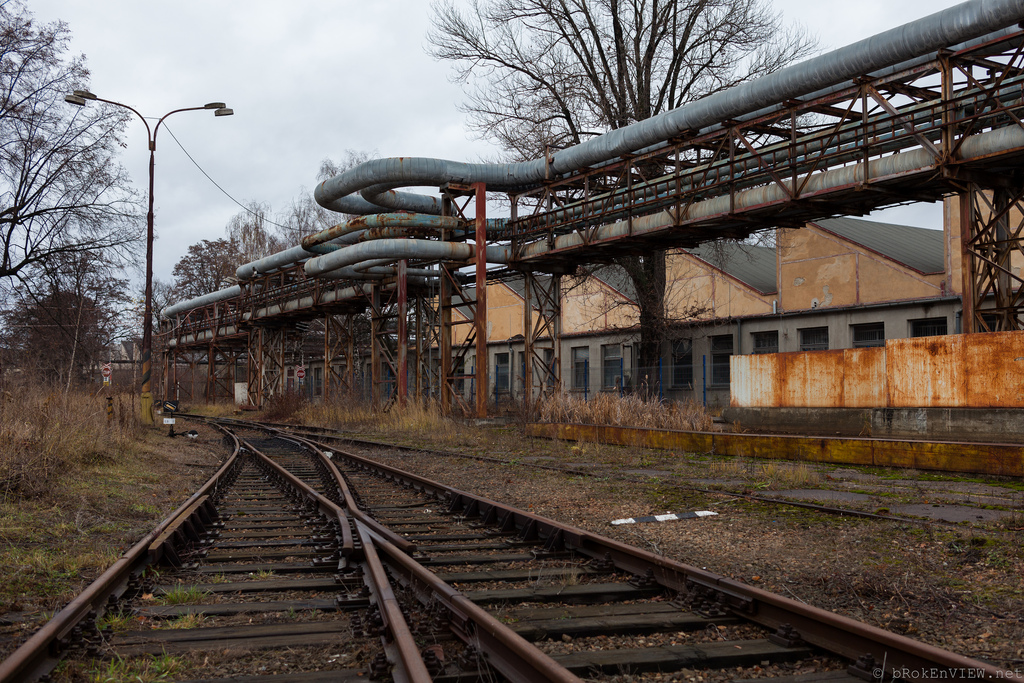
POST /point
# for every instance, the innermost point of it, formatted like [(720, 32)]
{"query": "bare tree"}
[(62, 191), (553, 73), (207, 267), (63, 325), (253, 232)]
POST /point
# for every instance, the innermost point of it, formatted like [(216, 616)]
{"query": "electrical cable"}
[(215, 184)]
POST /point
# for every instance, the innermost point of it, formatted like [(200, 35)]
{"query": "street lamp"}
[(81, 98)]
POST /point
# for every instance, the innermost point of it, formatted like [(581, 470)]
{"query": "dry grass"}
[(78, 490), (283, 407), (413, 420), (48, 434), (771, 474), (625, 411)]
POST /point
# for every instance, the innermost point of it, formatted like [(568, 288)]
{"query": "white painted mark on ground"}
[(665, 518)]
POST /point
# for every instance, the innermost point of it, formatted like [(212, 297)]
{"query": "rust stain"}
[(992, 459), (953, 371)]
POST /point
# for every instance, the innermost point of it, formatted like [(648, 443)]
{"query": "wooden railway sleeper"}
[(403, 654), (720, 595)]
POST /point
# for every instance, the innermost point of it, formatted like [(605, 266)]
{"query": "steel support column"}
[(266, 352), (480, 314), (402, 359), (427, 338), (383, 310), (447, 388), (542, 323), (991, 233), (339, 342), (220, 369)]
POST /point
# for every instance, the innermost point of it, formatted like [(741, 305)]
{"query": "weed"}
[(183, 595), (629, 410), (771, 474), (187, 621), (118, 621), (48, 436), (140, 669)]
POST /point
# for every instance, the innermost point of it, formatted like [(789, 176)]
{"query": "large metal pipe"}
[(369, 187), (940, 30), (398, 249), (204, 300)]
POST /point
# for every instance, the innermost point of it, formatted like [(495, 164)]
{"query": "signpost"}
[(300, 372), (106, 374)]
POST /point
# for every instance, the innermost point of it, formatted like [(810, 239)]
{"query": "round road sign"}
[(106, 369), (300, 372)]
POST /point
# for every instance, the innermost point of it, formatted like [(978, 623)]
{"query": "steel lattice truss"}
[(917, 134)]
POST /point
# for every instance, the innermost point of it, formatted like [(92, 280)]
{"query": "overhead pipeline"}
[(355, 248), (369, 187)]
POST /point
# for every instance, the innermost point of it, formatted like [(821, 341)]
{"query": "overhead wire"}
[(216, 184)]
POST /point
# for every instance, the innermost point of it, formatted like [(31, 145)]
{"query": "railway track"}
[(299, 561)]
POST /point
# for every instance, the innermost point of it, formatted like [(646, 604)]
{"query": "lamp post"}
[(81, 98)]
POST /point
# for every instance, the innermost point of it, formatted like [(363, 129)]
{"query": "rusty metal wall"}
[(954, 371)]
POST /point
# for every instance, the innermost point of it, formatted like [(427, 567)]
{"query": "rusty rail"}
[(398, 639), (40, 653), (871, 648)]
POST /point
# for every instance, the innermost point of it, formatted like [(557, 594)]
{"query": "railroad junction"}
[(263, 573)]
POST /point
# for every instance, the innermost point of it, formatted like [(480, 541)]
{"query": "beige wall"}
[(953, 255), (593, 306), (819, 270), (695, 289)]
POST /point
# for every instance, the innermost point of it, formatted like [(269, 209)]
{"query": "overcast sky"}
[(307, 80)]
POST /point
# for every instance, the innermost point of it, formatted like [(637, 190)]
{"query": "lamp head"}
[(224, 111)]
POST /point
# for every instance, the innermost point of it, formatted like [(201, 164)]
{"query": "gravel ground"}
[(957, 586)]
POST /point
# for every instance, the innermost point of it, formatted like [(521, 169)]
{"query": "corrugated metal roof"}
[(918, 248), (748, 263)]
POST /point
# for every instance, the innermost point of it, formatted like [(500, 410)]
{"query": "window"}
[(991, 321), (611, 366), (501, 373), (721, 350), (928, 327), (814, 339), (682, 363), (868, 334), (580, 366), (766, 342), (318, 381)]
